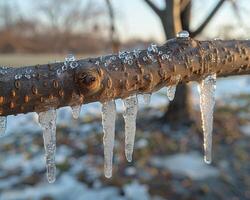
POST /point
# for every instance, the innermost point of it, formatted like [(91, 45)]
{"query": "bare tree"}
[(63, 18), (175, 16)]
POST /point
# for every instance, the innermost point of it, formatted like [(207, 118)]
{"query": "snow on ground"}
[(21, 128)]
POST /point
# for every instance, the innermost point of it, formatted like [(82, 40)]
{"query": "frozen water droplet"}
[(207, 101), (129, 115), (108, 123), (3, 123), (172, 88), (18, 76), (136, 53), (58, 72), (183, 34), (70, 58), (70, 61), (130, 62), (164, 57), (97, 63), (47, 121), (147, 98), (121, 54), (76, 111), (153, 48)]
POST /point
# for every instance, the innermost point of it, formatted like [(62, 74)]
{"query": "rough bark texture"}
[(39, 88)]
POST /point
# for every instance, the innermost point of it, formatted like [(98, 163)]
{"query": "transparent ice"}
[(108, 123), (3, 123), (172, 88), (206, 89), (76, 111), (183, 34), (147, 98), (47, 121), (129, 115)]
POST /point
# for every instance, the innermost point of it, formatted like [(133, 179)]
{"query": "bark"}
[(178, 111), (40, 88)]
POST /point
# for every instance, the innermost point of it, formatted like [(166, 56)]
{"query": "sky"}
[(134, 19)]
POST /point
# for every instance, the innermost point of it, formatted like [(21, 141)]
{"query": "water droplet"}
[(97, 63), (18, 76), (70, 58), (136, 53), (59, 71), (183, 34), (164, 57), (130, 62), (153, 48)]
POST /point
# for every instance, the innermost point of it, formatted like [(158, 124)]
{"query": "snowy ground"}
[(79, 155)]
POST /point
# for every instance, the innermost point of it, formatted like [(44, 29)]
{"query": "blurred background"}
[(168, 157)]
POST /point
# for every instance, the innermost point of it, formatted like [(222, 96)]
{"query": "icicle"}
[(47, 121), (207, 101), (129, 115), (172, 88), (2, 125), (147, 98), (76, 111), (108, 123)]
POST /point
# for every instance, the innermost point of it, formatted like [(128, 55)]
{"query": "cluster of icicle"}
[(207, 100), (47, 121)]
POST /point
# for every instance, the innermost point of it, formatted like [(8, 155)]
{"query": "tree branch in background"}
[(153, 7), (208, 19), (184, 4), (71, 83)]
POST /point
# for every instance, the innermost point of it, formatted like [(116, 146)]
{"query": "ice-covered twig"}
[(74, 82)]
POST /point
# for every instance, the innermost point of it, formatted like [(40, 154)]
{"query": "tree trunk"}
[(178, 111)]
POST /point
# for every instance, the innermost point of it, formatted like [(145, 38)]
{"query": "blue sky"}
[(135, 19)]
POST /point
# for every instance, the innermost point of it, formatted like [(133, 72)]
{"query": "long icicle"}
[(129, 115), (108, 123), (207, 101), (47, 121), (3, 122)]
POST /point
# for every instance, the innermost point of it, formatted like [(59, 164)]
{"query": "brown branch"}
[(39, 88), (184, 4), (153, 7), (208, 19)]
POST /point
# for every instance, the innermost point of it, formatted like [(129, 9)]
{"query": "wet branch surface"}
[(73, 82)]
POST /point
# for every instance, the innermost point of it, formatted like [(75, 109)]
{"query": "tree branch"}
[(40, 88), (207, 20), (153, 7)]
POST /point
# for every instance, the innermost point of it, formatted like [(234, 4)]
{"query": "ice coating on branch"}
[(108, 123), (206, 89), (76, 111), (47, 121), (172, 88), (3, 122), (147, 98), (129, 115), (183, 34)]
